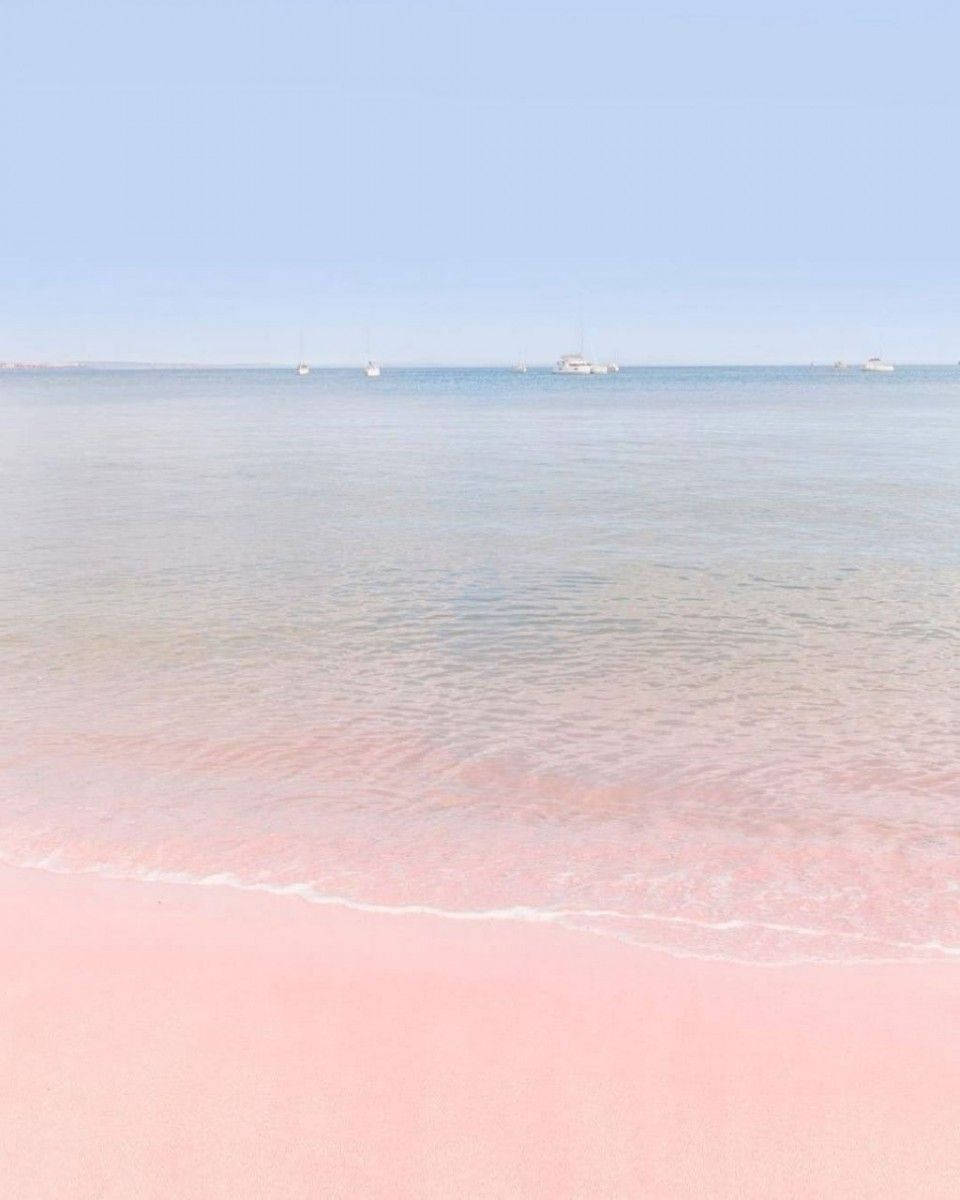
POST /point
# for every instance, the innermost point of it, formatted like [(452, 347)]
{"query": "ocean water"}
[(669, 656)]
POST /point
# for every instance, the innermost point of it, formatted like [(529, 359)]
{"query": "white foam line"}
[(564, 918)]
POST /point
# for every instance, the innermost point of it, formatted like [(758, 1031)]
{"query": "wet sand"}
[(178, 1041)]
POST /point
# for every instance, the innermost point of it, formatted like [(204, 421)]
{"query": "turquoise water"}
[(669, 656)]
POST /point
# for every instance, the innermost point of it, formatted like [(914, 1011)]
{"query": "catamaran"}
[(576, 364), (572, 364)]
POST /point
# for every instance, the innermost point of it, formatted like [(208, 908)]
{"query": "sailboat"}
[(579, 364), (303, 368), (372, 369)]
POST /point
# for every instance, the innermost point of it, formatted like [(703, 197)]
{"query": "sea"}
[(670, 657)]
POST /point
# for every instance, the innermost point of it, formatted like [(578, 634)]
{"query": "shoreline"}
[(174, 1040), (570, 920)]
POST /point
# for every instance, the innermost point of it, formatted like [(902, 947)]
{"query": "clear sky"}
[(715, 181)]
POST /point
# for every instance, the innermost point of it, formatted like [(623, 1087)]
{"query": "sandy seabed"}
[(173, 1041)]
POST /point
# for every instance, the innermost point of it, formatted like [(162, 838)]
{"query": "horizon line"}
[(13, 365)]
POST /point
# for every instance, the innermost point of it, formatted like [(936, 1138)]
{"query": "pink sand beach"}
[(175, 1041)]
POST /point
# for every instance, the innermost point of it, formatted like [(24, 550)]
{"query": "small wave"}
[(581, 921)]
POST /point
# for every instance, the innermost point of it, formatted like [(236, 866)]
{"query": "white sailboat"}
[(579, 364), (877, 364), (372, 369), (303, 368)]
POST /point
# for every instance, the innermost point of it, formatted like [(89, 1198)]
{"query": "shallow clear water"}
[(670, 655)]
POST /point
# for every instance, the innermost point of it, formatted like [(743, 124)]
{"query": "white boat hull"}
[(576, 364), (572, 364)]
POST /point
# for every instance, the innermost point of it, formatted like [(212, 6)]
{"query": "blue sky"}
[(709, 182)]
